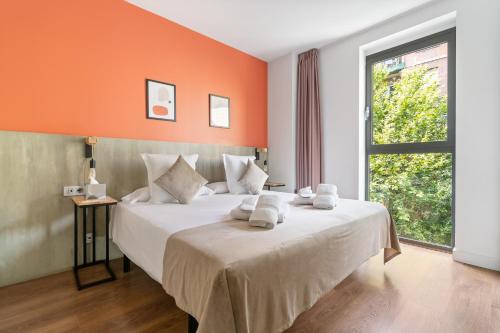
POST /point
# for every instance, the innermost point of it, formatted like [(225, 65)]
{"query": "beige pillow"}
[(157, 165), (181, 181), (254, 178)]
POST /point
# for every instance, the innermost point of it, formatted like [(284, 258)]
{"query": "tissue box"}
[(95, 191)]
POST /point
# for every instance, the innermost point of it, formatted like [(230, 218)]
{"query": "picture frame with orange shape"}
[(160, 100)]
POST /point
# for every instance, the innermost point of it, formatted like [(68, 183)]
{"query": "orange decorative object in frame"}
[(160, 100)]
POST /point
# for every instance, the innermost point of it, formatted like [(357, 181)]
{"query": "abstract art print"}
[(219, 111), (160, 100)]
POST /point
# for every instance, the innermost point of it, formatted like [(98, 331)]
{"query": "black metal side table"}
[(81, 202)]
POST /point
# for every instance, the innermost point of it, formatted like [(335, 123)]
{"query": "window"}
[(410, 136)]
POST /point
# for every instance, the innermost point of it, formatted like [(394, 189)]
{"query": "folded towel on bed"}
[(266, 212), (248, 204), (325, 201), (305, 192), (240, 214), (326, 196), (298, 200)]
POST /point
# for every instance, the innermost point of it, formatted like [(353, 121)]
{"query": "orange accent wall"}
[(79, 67)]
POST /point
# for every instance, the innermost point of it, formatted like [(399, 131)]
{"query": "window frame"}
[(447, 36)]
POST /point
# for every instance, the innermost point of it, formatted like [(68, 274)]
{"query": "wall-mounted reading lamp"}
[(93, 190), (90, 142), (258, 151)]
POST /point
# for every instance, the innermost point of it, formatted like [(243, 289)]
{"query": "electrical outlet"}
[(88, 237), (70, 191)]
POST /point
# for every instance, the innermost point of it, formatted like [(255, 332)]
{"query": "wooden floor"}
[(419, 291)]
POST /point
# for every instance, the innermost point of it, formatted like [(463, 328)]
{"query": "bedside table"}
[(81, 202), (270, 184)]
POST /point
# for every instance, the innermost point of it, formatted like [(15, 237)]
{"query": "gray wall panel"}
[(36, 221)]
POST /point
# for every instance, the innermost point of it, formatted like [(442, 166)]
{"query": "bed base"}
[(192, 323)]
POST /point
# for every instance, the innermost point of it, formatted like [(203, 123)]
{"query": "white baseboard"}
[(476, 259)]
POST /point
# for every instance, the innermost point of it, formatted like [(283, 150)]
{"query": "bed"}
[(235, 278)]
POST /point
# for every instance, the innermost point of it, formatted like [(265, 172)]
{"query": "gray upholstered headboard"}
[(120, 166)]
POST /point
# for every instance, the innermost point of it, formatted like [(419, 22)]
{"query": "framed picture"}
[(219, 111), (160, 100)]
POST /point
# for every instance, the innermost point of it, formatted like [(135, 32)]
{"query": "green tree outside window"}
[(416, 188)]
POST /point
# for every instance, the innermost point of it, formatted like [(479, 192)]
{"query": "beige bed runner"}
[(235, 278)]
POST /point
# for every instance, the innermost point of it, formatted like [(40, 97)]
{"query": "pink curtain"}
[(308, 154)]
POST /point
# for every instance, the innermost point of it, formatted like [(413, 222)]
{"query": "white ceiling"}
[(269, 29)]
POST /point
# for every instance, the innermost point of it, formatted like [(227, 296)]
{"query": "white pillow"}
[(157, 165), (218, 187), (142, 194), (139, 195), (204, 190), (235, 167)]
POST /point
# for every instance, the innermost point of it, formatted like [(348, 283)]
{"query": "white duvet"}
[(141, 230)]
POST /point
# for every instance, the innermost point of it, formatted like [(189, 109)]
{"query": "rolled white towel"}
[(248, 204), (266, 212), (298, 200), (238, 214), (326, 189), (305, 192), (326, 196), (264, 218), (325, 201)]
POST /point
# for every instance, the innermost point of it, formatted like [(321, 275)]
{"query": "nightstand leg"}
[(84, 235), (93, 235), (75, 240), (107, 235), (110, 271), (94, 261)]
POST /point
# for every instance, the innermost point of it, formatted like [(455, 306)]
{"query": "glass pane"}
[(417, 190), (409, 97)]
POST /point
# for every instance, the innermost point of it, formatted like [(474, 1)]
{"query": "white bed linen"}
[(141, 230)]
